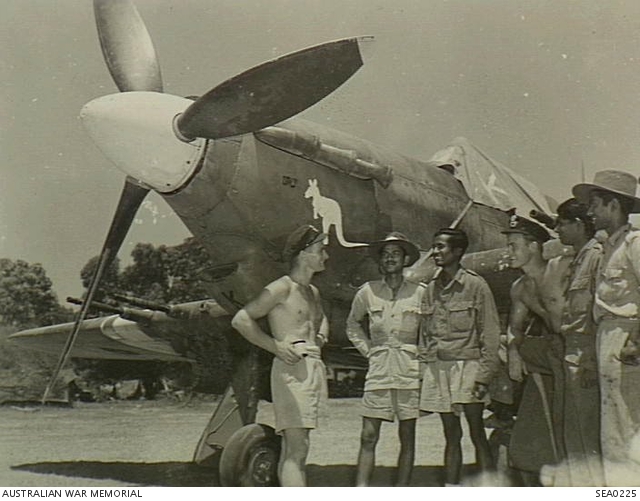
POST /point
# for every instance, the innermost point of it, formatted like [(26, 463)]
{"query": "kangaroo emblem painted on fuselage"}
[(330, 212)]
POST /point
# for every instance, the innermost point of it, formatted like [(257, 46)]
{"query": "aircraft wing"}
[(182, 333), (134, 333), (103, 338)]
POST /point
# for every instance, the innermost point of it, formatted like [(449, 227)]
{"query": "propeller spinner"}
[(135, 131)]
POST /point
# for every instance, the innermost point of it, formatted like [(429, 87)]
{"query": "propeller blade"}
[(130, 200), (126, 46), (272, 92)]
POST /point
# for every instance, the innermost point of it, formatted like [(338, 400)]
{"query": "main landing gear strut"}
[(246, 452)]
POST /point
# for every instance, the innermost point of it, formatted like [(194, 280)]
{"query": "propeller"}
[(260, 97), (271, 92), (130, 200), (126, 46), (132, 62)]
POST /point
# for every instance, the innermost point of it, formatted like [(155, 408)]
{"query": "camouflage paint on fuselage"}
[(247, 196)]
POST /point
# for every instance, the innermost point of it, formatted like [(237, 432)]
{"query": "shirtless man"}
[(541, 289), (299, 328), (535, 348)]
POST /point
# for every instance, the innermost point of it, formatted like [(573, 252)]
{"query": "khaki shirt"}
[(391, 342), (578, 326), (577, 312), (618, 281), (461, 323)]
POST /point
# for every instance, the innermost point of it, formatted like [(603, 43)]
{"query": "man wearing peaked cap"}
[(525, 241), (301, 238), (383, 326), (536, 361), (611, 198), (300, 328), (524, 226)]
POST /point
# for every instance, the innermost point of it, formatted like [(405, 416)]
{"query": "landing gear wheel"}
[(250, 458)]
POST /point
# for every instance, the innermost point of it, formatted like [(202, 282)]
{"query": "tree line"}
[(163, 274), (166, 274)]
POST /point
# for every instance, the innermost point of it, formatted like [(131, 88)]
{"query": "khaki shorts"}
[(386, 404), (447, 384), (299, 393)]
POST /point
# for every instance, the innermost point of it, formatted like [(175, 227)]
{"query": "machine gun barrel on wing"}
[(142, 303), (133, 314), (170, 310), (144, 310)]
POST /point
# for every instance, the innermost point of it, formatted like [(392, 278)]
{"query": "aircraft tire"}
[(250, 458)]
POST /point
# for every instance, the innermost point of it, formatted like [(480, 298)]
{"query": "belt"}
[(394, 346), (617, 318)]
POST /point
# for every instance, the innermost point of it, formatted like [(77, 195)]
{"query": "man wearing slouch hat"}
[(611, 199), (383, 325)]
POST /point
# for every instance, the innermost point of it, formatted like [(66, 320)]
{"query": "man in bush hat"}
[(299, 328), (383, 325), (611, 198)]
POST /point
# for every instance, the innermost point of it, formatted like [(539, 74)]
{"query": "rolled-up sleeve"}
[(489, 330), (355, 331)]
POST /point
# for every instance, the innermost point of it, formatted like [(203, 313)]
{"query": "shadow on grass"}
[(167, 474), (383, 476), (180, 474)]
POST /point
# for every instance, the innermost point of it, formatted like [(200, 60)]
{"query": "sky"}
[(547, 87)]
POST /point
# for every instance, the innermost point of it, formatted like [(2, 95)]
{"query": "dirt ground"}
[(152, 443)]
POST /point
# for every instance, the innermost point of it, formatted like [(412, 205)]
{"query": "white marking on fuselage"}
[(330, 211)]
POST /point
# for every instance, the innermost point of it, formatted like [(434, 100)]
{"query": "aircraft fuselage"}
[(246, 196)]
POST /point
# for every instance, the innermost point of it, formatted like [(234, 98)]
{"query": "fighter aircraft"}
[(242, 173)]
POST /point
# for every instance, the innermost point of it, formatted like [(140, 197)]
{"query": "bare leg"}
[(407, 434), (484, 458), (452, 449), (293, 459), (367, 457), (283, 448)]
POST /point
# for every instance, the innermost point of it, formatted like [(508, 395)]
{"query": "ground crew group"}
[(572, 347)]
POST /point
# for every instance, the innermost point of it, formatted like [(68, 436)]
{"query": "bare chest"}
[(302, 305), (536, 298)]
